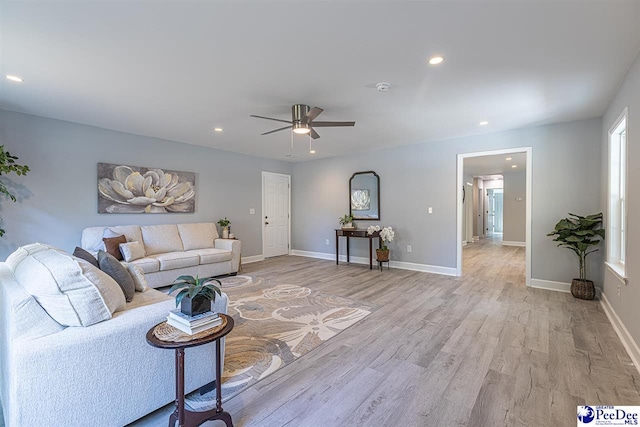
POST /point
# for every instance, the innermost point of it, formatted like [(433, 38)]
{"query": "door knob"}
[(266, 223)]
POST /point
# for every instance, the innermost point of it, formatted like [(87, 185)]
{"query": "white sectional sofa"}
[(172, 250), (100, 375)]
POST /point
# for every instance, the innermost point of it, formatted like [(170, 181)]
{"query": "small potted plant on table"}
[(196, 294), (579, 234), (224, 223), (346, 222)]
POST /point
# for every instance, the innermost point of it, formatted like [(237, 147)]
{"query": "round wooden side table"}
[(179, 341)]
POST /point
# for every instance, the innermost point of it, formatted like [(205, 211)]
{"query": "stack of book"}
[(193, 324)]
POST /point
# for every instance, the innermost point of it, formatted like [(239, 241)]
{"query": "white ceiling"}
[(176, 70)]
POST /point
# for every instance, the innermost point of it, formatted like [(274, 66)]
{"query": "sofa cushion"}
[(211, 255), (147, 264), (112, 245), (110, 265), (175, 260), (131, 232), (197, 236), (138, 276), (82, 254), (132, 250), (150, 297), (160, 239), (72, 291)]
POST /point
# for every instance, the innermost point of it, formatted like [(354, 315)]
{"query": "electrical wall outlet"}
[(252, 211), (326, 242), (408, 248)]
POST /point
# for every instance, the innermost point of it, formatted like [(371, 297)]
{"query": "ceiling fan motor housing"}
[(298, 111)]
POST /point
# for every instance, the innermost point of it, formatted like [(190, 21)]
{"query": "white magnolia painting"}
[(135, 189)]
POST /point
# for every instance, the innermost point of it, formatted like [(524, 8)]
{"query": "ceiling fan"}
[(302, 121)]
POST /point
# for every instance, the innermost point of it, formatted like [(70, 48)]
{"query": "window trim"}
[(618, 267)]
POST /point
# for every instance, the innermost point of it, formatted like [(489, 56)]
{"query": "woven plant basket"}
[(382, 255), (583, 289)]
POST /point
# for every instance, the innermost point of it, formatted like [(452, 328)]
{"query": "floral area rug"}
[(274, 325)]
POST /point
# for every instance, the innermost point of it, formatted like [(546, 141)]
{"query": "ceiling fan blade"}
[(313, 134), (270, 118), (331, 124), (276, 130), (312, 114)]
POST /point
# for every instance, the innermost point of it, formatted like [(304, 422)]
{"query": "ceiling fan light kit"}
[(302, 121)]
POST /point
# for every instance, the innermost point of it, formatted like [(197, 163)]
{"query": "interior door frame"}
[(460, 182), (264, 174)]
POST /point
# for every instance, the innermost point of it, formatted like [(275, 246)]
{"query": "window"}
[(617, 215)]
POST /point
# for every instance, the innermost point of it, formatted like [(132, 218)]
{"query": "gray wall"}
[(626, 305), (566, 178), (58, 198), (514, 214)]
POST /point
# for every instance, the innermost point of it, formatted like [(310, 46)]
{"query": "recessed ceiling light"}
[(435, 60), (508, 158), (514, 166), (218, 129), (14, 78), (483, 123), (312, 151)]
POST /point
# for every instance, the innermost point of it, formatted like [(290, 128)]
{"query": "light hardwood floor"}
[(478, 350)]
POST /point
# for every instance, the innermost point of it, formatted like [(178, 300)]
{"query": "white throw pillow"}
[(131, 251), (72, 291), (138, 276)]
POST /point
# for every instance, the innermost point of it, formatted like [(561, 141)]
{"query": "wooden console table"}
[(357, 233)]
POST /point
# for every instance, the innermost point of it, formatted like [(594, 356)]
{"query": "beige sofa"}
[(173, 250)]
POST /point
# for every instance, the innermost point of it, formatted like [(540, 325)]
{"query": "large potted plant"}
[(580, 234), (8, 165), (196, 294)]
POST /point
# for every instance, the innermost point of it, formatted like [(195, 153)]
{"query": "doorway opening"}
[(498, 210), (495, 207)]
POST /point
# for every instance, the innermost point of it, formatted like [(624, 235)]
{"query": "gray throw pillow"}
[(110, 265), (82, 254)]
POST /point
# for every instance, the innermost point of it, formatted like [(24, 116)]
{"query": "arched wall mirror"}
[(364, 196)]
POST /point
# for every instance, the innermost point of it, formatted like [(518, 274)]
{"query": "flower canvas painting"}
[(136, 189)]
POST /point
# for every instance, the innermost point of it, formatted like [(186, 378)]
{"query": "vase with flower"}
[(386, 235)]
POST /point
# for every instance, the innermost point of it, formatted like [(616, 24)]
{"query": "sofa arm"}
[(235, 246)]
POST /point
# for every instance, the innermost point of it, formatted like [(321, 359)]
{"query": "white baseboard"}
[(550, 285), (511, 243), (627, 340), (250, 259), (476, 238), (464, 243), (436, 269)]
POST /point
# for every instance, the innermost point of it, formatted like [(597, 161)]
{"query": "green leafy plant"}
[(8, 165), (193, 286), (224, 222), (580, 234), (346, 219)]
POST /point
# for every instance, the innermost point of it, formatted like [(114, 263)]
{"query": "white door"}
[(275, 214), (491, 213)]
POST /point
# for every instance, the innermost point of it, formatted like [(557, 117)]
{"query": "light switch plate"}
[(430, 210), (252, 211)]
